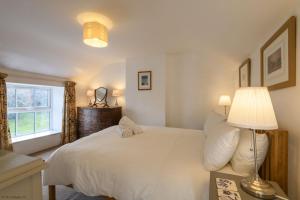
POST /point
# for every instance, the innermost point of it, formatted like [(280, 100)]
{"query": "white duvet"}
[(161, 163)]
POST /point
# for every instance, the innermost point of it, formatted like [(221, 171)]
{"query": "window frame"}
[(31, 109)]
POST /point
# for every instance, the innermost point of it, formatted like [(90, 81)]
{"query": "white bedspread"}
[(161, 163)]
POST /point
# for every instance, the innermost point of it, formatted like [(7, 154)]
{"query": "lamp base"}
[(257, 187)]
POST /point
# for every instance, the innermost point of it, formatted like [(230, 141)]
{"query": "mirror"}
[(101, 96)]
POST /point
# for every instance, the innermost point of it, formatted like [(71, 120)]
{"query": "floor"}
[(62, 192)]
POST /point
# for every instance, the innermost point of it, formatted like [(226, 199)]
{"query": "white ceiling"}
[(44, 36)]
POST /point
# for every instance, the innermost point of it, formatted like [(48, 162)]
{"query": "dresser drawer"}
[(91, 120)]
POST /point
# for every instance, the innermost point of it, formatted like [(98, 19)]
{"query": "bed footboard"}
[(52, 193)]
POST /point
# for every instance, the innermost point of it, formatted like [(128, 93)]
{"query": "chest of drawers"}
[(91, 120)]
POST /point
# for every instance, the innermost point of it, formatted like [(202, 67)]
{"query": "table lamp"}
[(225, 101), (116, 93), (90, 94), (252, 108)]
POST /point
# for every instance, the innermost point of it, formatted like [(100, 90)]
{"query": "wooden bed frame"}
[(274, 168)]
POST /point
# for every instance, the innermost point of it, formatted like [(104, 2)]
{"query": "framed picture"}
[(144, 80), (245, 74), (278, 58)]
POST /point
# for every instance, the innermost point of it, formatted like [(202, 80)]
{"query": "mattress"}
[(161, 163)]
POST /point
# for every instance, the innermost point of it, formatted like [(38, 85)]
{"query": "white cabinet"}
[(20, 177)]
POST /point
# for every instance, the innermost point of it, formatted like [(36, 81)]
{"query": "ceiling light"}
[(95, 29)]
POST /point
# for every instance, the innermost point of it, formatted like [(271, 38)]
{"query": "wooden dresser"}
[(91, 120)]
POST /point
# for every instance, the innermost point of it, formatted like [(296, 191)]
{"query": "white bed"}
[(161, 163)]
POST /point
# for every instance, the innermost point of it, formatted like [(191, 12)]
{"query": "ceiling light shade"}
[(95, 28), (85, 17), (252, 108), (95, 34), (224, 100)]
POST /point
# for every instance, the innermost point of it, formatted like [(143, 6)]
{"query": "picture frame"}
[(145, 80), (278, 58), (245, 73)]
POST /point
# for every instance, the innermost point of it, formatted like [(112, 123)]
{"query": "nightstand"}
[(213, 195)]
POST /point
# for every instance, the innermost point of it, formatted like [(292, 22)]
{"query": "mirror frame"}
[(103, 100)]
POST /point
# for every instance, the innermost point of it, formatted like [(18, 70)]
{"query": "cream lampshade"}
[(225, 101), (116, 93), (90, 94), (252, 108)]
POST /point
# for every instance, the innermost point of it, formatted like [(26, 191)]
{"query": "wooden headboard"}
[(275, 167)]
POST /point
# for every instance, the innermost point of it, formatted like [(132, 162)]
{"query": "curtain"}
[(69, 133), (5, 137)]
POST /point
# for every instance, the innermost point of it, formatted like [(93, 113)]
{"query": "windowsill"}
[(33, 136)]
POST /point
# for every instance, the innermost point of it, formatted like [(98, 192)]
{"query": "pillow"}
[(220, 145), (125, 122), (125, 131), (212, 120), (243, 159)]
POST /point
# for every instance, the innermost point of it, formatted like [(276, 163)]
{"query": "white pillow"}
[(220, 145), (243, 159), (126, 123), (125, 131), (212, 120)]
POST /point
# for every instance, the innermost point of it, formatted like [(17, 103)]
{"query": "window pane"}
[(12, 123), (24, 97), (25, 124), (11, 97), (41, 97), (42, 120)]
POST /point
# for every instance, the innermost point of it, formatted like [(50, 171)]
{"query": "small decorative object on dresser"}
[(252, 108), (245, 74), (225, 101), (145, 80), (90, 94), (20, 176), (91, 120), (116, 93), (278, 58)]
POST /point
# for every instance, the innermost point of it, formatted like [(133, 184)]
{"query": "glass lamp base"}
[(257, 187)]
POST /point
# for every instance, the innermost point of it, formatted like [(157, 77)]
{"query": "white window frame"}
[(34, 109)]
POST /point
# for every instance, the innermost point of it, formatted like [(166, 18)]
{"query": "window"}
[(33, 109)]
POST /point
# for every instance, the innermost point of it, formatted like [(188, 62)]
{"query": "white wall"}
[(286, 103), (146, 107), (194, 83)]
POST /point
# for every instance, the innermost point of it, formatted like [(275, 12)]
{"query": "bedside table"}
[(213, 195)]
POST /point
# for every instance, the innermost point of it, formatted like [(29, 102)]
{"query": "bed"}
[(161, 163)]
